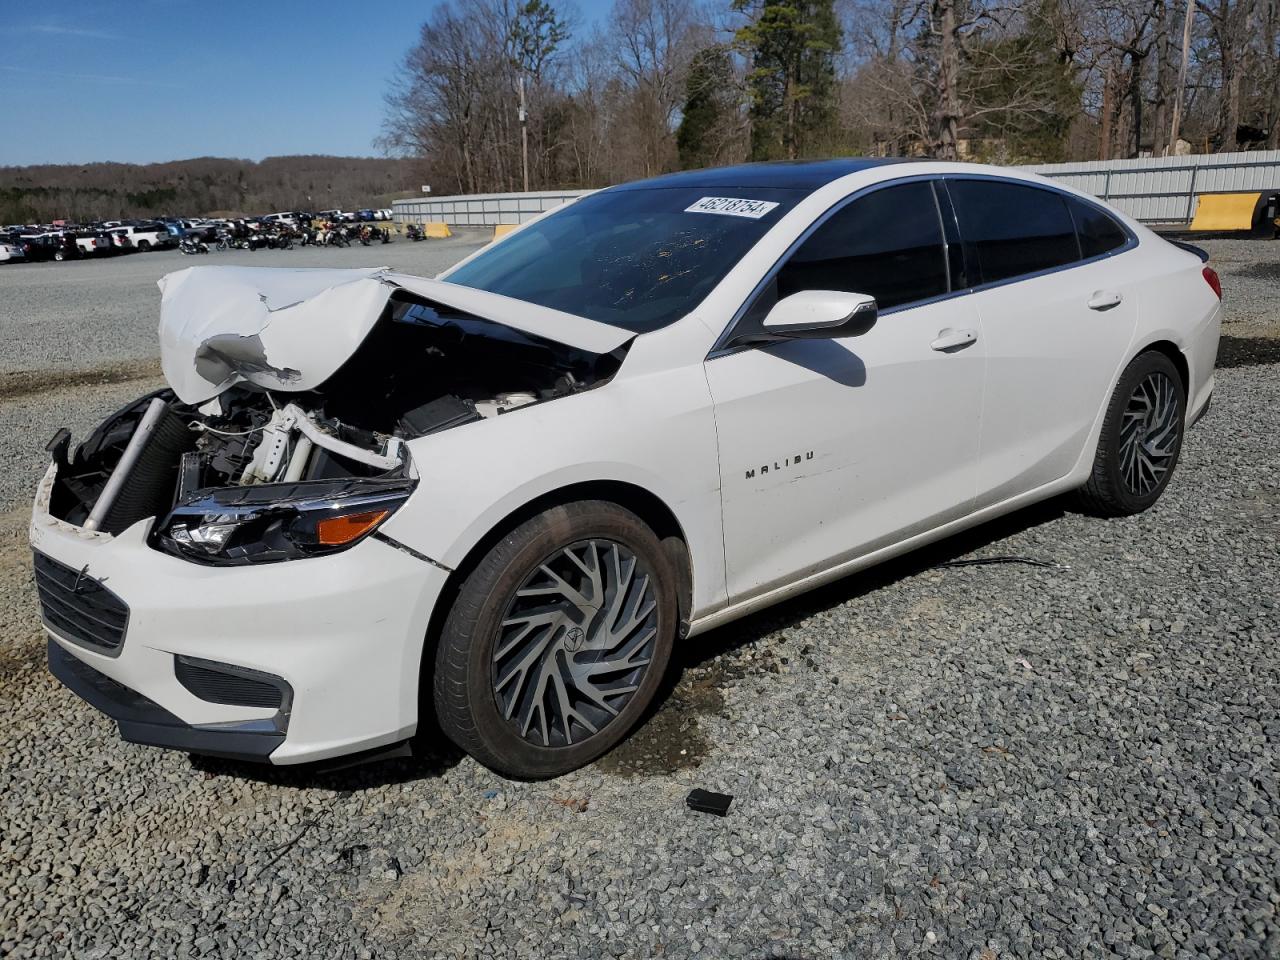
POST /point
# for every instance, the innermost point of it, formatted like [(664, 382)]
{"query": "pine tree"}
[(791, 48), (1020, 93), (709, 108), (536, 32)]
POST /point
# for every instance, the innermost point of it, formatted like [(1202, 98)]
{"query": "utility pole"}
[(524, 135), (1182, 75)]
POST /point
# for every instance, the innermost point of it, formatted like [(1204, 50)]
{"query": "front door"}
[(832, 448)]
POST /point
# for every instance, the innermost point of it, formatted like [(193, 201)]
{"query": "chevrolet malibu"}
[(498, 498)]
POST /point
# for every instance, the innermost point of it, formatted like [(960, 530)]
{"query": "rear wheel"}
[(1141, 438), (557, 641)]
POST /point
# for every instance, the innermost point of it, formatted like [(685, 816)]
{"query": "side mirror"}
[(820, 315)]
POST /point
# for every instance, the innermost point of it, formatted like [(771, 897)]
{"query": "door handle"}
[(1105, 300), (949, 339)]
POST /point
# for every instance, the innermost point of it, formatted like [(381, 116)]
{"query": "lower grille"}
[(78, 607), (233, 686)]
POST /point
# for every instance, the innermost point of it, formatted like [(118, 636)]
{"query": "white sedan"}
[(500, 497), (10, 252)]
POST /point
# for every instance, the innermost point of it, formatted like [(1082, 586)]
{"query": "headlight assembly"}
[(269, 522)]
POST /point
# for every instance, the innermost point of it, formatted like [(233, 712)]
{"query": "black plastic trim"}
[(143, 721), (1203, 410), (392, 542), (1190, 248), (232, 685), (79, 607)]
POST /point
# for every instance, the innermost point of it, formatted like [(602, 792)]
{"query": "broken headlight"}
[(269, 522)]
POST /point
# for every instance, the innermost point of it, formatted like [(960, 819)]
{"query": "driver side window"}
[(888, 244)]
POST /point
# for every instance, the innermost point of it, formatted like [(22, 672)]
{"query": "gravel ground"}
[(978, 761)]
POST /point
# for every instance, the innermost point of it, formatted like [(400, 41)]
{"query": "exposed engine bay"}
[(250, 455)]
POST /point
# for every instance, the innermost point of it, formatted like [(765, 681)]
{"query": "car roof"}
[(805, 175)]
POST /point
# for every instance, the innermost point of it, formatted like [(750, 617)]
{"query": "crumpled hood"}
[(290, 330)]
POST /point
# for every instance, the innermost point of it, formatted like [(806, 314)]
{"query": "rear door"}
[(1057, 314), (830, 449)]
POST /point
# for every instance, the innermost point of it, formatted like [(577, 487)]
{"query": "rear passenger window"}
[(1012, 229), (1098, 232), (887, 244)]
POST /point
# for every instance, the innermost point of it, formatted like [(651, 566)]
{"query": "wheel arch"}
[(1158, 342), (649, 507), (1175, 354)]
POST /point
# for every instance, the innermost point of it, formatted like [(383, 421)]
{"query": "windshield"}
[(636, 259)]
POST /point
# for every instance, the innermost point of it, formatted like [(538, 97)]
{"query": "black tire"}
[(144, 246), (466, 669), (59, 256), (1108, 492)]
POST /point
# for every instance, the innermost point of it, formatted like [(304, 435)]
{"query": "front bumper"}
[(143, 721), (344, 631)]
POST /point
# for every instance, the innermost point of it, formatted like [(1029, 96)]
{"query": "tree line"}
[(204, 186), (665, 84)]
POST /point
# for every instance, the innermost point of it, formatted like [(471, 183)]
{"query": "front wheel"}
[(557, 641), (1141, 438)]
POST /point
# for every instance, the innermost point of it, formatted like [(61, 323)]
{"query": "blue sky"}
[(151, 80)]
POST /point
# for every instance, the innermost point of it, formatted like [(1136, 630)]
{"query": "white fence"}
[(1164, 189), (1151, 189), (481, 209)]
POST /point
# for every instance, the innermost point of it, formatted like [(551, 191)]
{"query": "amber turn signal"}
[(335, 531)]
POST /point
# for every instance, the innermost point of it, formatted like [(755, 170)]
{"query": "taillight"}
[(1211, 278)]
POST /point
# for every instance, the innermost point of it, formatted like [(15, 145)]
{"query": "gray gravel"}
[(980, 762), (84, 313)]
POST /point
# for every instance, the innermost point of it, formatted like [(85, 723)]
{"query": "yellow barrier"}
[(437, 231), (1226, 211), (502, 229)]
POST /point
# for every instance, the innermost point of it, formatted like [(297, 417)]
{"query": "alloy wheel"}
[(575, 642), (1149, 433)]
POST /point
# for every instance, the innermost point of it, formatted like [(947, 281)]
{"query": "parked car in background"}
[(147, 236), (9, 252), (120, 240), (42, 246), (95, 242), (206, 230)]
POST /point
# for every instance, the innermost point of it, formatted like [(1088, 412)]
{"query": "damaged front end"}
[(284, 431)]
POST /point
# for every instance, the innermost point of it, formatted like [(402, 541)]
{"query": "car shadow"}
[(754, 627), (831, 359), (670, 737)]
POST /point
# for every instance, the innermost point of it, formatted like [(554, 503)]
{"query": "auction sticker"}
[(732, 207)]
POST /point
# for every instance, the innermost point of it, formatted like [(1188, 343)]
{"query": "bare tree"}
[(971, 71), (655, 43), (995, 79)]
